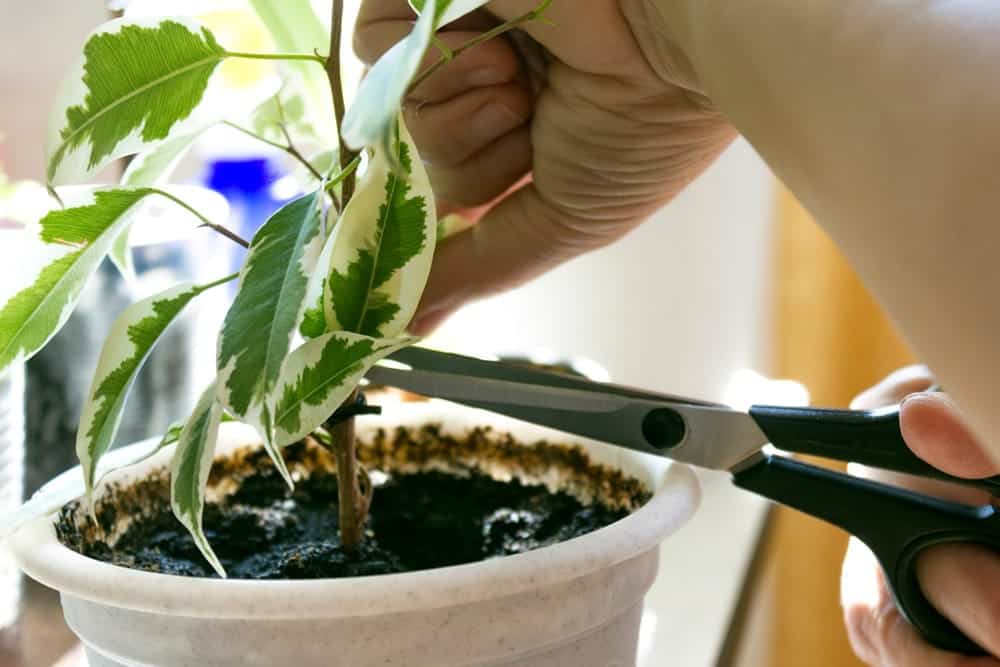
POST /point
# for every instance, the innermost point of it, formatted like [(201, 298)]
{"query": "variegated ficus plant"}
[(330, 280)]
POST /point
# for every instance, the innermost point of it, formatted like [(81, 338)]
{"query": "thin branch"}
[(294, 152), (254, 135), (337, 91), (527, 17), (290, 148), (205, 222)]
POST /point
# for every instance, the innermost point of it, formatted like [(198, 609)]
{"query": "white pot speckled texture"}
[(574, 604)]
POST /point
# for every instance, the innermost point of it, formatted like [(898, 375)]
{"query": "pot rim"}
[(676, 494)]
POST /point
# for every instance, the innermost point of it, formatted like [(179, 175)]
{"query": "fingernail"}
[(494, 119), (484, 76)]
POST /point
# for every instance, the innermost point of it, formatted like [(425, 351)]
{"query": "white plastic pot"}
[(574, 604)]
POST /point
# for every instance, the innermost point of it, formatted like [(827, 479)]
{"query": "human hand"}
[(563, 138), (961, 580)]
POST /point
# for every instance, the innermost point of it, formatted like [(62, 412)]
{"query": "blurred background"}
[(729, 284)]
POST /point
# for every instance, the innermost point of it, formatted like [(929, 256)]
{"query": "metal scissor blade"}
[(444, 362), (713, 437)]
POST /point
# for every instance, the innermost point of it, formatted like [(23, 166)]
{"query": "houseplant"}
[(327, 289)]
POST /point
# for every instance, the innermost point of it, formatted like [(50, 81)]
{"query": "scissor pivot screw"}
[(663, 428)]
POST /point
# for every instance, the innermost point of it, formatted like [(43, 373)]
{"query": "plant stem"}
[(350, 499), (221, 281), (337, 90), (290, 148), (533, 15), (294, 152), (352, 502), (277, 56), (344, 173), (205, 222)]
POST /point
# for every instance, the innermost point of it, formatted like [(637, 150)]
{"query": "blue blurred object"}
[(246, 183)]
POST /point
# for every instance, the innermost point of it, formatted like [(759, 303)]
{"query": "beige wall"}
[(39, 40)]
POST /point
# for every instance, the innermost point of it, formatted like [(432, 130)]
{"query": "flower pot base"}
[(610, 645), (573, 604)]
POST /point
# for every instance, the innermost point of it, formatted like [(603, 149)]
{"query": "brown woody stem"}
[(337, 90), (350, 497), (290, 148)]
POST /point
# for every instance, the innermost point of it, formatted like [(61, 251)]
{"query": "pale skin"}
[(880, 115)]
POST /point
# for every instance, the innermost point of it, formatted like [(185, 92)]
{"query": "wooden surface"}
[(831, 336)]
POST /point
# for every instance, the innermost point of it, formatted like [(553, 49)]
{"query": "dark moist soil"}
[(419, 519)]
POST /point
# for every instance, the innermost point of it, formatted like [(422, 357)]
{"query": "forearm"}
[(883, 117)]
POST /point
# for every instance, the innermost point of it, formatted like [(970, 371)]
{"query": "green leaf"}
[(371, 118), (121, 256), (139, 83), (128, 345), (259, 327), (33, 315), (153, 167), (383, 246), (320, 375), (295, 28), (313, 322), (189, 471), (286, 107), (170, 436), (449, 10)]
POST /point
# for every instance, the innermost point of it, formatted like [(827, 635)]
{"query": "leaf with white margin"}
[(450, 10), (170, 436), (320, 375), (154, 167), (260, 325), (383, 246), (128, 345), (313, 323), (148, 169), (121, 256), (138, 81), (67, 488), (371, 117), (82, 236), (190, 467)]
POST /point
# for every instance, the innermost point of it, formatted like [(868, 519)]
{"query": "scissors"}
[(896, 524)]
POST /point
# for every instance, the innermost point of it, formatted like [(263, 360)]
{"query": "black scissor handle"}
[(869, 438), (896, 524)]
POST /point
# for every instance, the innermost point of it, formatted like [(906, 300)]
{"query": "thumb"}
[(520, 238), (935, 430)]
